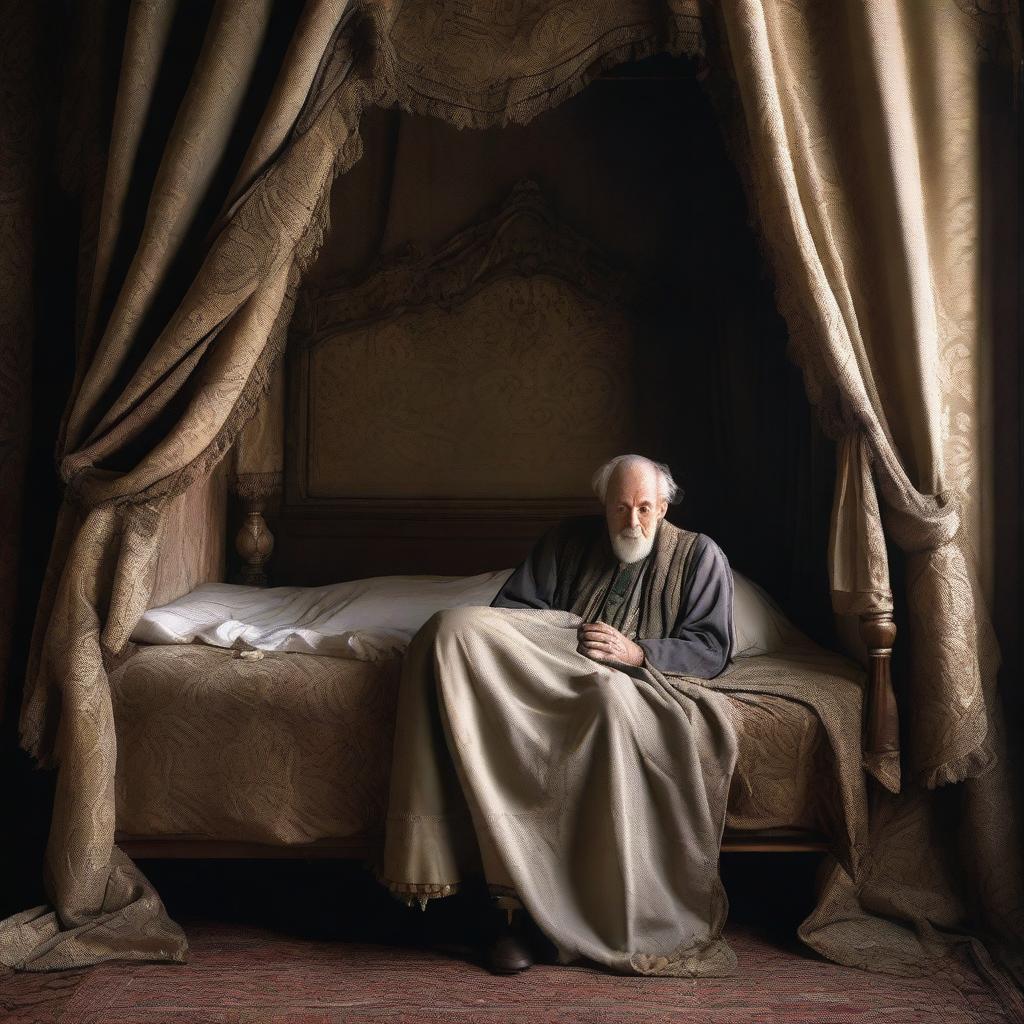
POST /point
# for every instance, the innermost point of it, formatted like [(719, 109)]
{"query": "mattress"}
[(288, 748)]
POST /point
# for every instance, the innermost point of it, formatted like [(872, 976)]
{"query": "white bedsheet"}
[(375, 618), (367, 619)]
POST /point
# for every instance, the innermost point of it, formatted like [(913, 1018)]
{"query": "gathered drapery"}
[(867, 201), (864, 183), (163, 386), (857, 125), (149, 416)]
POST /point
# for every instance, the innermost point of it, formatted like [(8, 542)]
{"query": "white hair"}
[(667, 487)]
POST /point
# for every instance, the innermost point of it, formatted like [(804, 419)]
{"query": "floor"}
[(299, 944)]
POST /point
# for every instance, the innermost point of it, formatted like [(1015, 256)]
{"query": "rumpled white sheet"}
[(370, 620), (374, 619)]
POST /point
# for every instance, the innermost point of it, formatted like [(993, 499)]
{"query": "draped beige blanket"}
[(597, 797), (595, 793)]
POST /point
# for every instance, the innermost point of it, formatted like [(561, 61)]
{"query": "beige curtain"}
[(149, 416), (162, 389), (257, 462), (858, 128), (861, 129)]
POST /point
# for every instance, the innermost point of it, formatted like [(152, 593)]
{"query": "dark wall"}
[(41, 383), (636, 163)]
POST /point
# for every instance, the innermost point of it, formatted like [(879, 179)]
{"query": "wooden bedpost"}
[(882, 724), (254, 542)]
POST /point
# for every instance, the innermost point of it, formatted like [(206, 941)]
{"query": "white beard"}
[(631, 545)]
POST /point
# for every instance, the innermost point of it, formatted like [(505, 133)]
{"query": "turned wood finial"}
[(254, 542), (878, 631), (881, 719)]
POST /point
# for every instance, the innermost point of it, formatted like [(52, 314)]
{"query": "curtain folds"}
[(179, 342), (153, 409), (856, 127), (858, 562), (867, 205)]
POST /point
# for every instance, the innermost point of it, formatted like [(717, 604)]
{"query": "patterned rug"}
[(246, 974), (295, 958)]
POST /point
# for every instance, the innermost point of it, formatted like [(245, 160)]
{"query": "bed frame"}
[(254, 544), (337, 521)]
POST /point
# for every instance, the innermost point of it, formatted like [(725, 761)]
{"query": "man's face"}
[(633, 510)]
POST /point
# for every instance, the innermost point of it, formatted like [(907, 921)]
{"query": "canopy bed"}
[(384, 476), (430, 429)]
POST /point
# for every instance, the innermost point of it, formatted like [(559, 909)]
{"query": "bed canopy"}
[(853, 127)]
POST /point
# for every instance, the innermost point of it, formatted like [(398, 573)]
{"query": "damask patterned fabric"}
[(868, 208), (293, 748), (289, 748), (856, 126)]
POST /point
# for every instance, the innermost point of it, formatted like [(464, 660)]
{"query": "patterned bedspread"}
[(292, 748)]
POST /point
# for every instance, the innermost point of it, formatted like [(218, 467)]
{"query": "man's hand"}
[(602, 642)]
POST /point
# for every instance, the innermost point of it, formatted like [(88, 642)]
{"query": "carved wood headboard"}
[(445, 410)]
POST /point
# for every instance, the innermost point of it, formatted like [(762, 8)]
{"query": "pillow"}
[(761, 626), (369, 619)]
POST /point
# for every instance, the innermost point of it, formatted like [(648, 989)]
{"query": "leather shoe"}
[(506, 951)]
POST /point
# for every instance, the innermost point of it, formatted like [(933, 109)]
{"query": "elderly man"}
[(556, 743)]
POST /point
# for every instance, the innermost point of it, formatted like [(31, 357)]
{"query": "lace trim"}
[(417, 893), (972, 765), (257, 485), (417, 95), (709, 959)]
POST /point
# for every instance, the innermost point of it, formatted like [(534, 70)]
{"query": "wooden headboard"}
[(447, 408)]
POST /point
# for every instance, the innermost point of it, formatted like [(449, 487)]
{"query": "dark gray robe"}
[(700, 641)]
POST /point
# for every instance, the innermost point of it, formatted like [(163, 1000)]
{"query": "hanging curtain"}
[(857, 129), (156, 403), (167, 376)]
